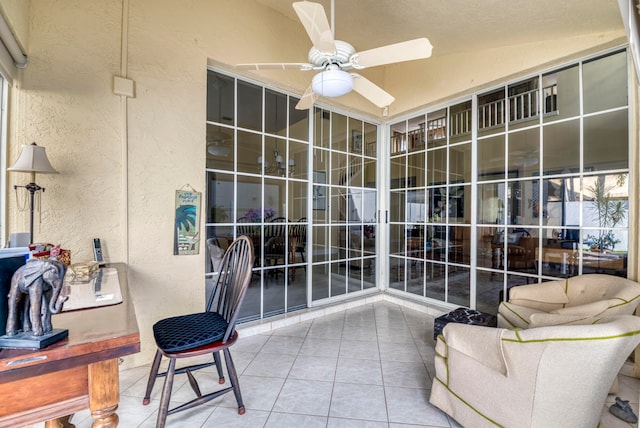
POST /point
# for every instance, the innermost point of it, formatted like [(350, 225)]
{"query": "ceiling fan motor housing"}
[(341, 57)]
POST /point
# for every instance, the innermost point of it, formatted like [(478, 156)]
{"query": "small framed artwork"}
[(356, 141), (319, 190)]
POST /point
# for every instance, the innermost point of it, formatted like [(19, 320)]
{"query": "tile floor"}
[(369, 366)]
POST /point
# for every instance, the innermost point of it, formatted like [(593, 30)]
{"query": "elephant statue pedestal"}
[(30, 341), (36, 293)]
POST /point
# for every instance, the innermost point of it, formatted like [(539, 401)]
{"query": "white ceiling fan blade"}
[(308, 99), (371, 91), (398, 52), (314, 20), (276, 66)]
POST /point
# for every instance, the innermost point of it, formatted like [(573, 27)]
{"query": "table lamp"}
[(32, 159)]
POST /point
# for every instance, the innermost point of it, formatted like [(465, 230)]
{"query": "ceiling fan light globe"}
[(332, 83)]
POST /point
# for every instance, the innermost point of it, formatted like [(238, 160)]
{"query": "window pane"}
[(437, 128), (524, 152), (611, 261), (398, 172), (338, 168), (297, 207), (275, 113), (220, 106), (220, 148), (523, 103), (529, 203), (399, 137), (249, 196), (491, 112), (220, 200), (460, 122), (274, 199), (485, 241), (415, 134), (338, 132), (605, 83), (297, 160), (370, 179), (437, 205), (460, 245), (416, 170), (249, 106), (338, 204), (460, 163), (370, 139), (250, 145), (606, 201), (354, 207), (355, 136), (322, 128), (397, 206), (606, 141), (561, 148), (416, 206), (458, 197), (436, 167), (321, 281), (355, 171), (561, 205), (561, 94), (491, 153), (459, 285), (491, 203), (369, 207), (321, 241), (298, 121), (274, 159)]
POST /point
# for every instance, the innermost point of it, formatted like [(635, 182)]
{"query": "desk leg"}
[(104, 393)]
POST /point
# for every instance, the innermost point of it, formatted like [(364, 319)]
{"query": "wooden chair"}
[(203, 333)]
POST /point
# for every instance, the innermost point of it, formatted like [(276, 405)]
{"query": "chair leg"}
[(153, 374), (216, 358), (166, 394), (233, 377), (303, 260)]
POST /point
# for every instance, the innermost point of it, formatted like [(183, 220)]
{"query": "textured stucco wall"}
[(64, 101)]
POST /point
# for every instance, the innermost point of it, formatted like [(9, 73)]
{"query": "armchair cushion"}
[(547, 292), (591, 309), (542, 319)]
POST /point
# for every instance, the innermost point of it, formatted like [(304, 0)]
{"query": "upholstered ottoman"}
[(463, 316)]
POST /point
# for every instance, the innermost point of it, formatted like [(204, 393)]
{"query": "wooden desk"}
[(75, 373)]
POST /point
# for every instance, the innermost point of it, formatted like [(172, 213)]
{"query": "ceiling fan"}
[(335, 58)]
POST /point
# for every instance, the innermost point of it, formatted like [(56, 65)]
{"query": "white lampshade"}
[(332, 83), (33, 158)]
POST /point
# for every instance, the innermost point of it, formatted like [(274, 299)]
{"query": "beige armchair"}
[(568, 301), (545, 377)]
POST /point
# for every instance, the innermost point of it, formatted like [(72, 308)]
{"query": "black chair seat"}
[(184, 332)]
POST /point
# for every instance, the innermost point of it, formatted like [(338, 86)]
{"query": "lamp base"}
[(29, 341)]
